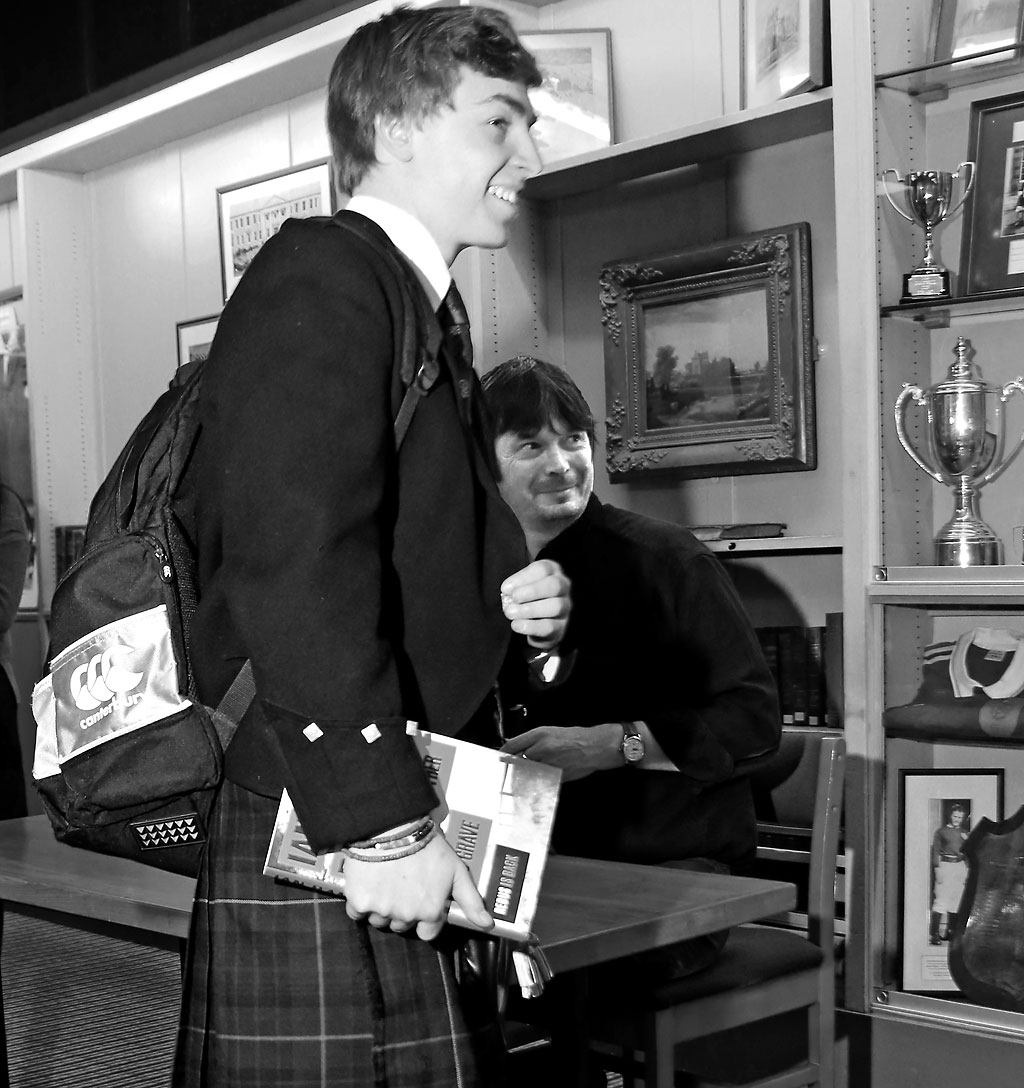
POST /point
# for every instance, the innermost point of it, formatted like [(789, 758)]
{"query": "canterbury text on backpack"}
[(127, 761)]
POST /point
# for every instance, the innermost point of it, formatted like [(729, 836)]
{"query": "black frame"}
[(991, 245)]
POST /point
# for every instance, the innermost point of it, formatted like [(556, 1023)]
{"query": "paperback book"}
[(495, 810)]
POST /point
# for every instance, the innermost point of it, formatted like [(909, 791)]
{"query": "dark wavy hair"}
[(406, 64), (524, 394)]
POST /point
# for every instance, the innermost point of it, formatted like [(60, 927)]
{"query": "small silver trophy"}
[(928, 195), (964, 444)]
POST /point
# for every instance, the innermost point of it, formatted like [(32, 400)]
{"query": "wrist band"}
[(392, 854), (396, 842)]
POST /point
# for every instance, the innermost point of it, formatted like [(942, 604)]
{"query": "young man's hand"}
[(413, 892), (536, 601)]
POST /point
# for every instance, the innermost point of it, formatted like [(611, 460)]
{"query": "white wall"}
[(157, 249), (674, 62)]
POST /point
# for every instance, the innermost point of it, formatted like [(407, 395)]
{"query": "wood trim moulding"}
[(188, 103)]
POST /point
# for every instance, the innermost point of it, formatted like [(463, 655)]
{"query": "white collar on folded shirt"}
[(412, 238), (1011, 683)]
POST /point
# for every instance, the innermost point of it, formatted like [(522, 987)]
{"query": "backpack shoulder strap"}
[(418, 366)]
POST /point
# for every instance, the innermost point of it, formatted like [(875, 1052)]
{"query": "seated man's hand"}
[(536, 601), (578, 750), (413, 892)]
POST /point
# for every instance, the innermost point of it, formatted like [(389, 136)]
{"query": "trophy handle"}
[(885, 190), (1016, 386), (968, 185), (915, 393)]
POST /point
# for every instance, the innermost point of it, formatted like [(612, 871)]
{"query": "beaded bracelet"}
[(391, 854)]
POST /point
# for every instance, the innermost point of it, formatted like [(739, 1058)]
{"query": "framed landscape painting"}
[(709, 359)]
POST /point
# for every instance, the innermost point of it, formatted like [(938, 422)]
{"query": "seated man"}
[(669, 701)]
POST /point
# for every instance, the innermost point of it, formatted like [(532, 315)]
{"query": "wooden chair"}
[(764, 970)]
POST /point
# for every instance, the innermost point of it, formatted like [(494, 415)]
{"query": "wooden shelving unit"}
[(734, 134)]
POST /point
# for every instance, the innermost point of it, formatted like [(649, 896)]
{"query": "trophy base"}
[(925, 284), (968, 553)]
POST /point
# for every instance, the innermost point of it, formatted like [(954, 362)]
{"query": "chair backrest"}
[(798, 795)]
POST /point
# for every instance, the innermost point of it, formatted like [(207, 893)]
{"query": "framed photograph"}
[(965, 28), (15, 429), (709, 359), (784, 49), (195, 338), (252, 211), (574, 103), (992, 253), (937, 811)]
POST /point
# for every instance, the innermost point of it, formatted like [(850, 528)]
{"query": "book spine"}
[(832, 654), (792, 675), (768, 638), (815, 676)]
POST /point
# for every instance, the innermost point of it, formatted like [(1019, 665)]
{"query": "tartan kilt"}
[(283, 990)]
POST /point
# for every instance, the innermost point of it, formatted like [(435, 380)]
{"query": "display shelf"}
[(777, 545), (941, 313), (954, 1014), (983, 587), (936, 79), (971, 740), (735, 133)]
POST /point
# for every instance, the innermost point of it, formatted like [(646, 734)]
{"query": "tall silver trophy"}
[(964, 448), (927, 196)]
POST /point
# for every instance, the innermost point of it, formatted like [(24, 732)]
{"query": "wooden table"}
[(590, 911)]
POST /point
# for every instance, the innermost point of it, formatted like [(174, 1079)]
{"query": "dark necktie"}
[(459, 345)]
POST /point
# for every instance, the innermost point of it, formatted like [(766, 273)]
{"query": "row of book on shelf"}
[(69, 542), (807, 664)]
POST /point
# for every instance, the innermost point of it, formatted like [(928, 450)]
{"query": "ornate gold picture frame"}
[(709, 358)]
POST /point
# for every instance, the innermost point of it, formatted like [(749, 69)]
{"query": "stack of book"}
[(806, 663)]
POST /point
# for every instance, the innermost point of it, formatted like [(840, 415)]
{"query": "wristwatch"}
[(632, 746)]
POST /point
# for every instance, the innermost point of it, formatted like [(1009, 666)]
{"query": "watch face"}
[(632, 748)]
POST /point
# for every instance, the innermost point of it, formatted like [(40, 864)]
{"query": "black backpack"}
[(127, 760)]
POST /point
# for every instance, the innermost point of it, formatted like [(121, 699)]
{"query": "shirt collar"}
[(412, 238), (1010, 684)]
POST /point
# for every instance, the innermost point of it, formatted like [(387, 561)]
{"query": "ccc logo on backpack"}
[(118, 678), (103, 677)]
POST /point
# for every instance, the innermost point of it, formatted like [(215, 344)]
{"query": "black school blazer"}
[(364, 588)]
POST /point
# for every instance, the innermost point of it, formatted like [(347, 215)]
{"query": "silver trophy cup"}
[(964, 448), (928, 197)]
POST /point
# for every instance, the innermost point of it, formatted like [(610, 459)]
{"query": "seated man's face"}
[(546, 477)]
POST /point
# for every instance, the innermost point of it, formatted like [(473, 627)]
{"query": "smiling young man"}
[(368, 589)]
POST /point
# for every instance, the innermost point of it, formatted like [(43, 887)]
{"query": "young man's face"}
[(546, 477), (470, 162)]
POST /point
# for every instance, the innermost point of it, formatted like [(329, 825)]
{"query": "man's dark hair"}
[(407, 64), (525, 394)]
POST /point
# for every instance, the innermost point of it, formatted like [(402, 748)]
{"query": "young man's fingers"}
[(464, 893)]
